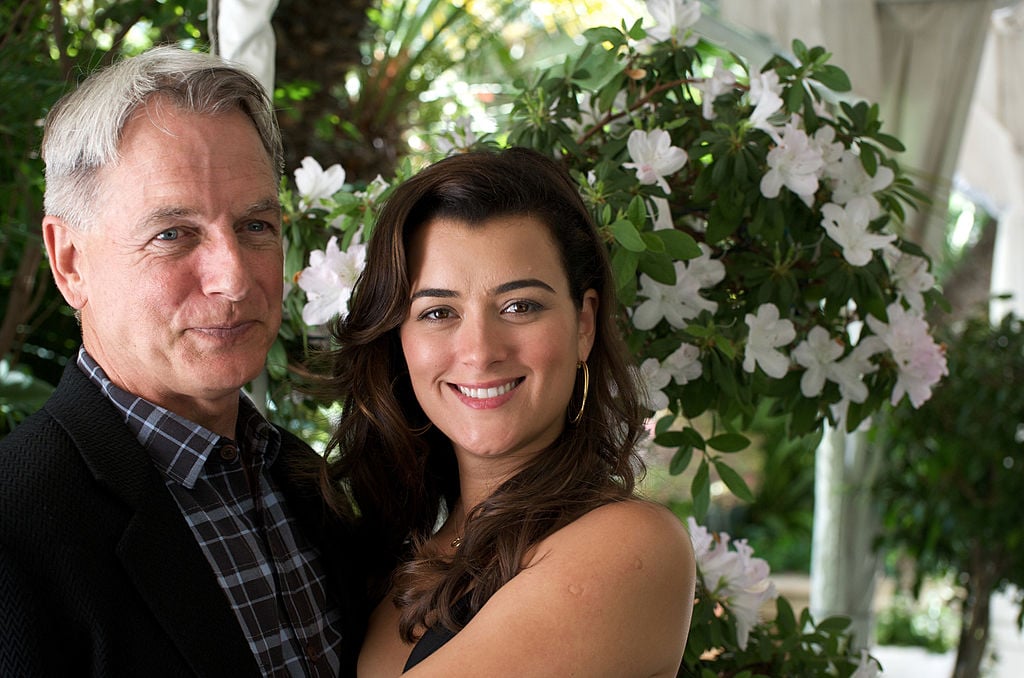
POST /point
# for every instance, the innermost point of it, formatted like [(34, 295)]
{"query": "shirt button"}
[(228, 452), (312, 651)]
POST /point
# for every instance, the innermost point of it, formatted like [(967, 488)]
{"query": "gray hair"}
[(83, 130)]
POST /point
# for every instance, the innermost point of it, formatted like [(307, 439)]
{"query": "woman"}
[(488, 435)]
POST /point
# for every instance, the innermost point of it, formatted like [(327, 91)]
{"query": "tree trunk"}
[(23, 300), (974, 629), (318, 43)]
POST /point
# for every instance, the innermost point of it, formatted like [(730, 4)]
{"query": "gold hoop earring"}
[(586, 390)]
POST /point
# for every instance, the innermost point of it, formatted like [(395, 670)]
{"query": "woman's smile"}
[(486, 397)]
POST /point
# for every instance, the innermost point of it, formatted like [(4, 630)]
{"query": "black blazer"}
[(99, 572)]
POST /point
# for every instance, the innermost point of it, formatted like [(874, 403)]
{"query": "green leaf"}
[(624, 265), (728, 442), (890, 142), (833, 77), (277, 360), (800, 51), (700, 490), (869, 158), (625, 234), (679, 245), (697, 397), (637, 212), (654, 244), (602, 34), (670, 439), (794, 98), (659, 267), (680, 460), (734, 481), (693, 437)]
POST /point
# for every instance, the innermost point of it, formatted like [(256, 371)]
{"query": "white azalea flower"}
[(848, 227), (590, 113), (735, 578), (655, 377), (767, 333), (654, 157), (766, 95), (921, 362), (721, 81), (854, 188), (315, 184), (794, 162), (373, 190), (673, 20), (661, 214), (459, 137), (684, 364), (849, 372), (831, 150), (680, 302), (817, 353), (910, 275), (329, 279)]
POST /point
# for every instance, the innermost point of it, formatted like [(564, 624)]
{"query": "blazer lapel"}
[(157, 548)]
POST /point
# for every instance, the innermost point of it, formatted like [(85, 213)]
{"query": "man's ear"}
[(63, 247)]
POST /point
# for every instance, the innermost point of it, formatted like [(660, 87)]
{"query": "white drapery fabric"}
[(240, 30), (992, 155)]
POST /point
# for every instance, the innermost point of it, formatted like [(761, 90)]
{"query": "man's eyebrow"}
[(173, 212), (267, 205)]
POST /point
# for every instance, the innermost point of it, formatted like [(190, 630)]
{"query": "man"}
[(152, 522)]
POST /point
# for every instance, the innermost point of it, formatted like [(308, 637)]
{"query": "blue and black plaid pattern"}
[(270, 575)]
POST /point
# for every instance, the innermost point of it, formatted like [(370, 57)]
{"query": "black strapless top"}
[(438, 635)]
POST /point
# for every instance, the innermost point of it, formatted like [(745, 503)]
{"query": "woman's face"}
[(493, 337)]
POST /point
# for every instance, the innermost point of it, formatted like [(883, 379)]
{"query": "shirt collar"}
[(179, 447)]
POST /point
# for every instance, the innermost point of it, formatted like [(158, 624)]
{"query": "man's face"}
[(179, 279)]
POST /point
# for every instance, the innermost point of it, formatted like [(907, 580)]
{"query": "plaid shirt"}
[(271, 576)]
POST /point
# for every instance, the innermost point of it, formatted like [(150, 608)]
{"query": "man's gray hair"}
[(83, 130)]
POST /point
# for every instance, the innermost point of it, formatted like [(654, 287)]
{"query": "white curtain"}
[(240, 30), (992, 155)]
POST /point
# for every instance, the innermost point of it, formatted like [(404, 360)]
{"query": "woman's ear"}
[(587, 323), (63, 248)]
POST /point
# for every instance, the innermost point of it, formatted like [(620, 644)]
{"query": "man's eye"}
[(256, 226), (169, 234)]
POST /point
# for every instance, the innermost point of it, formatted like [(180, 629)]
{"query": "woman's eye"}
[(518, 307), (435, 314)]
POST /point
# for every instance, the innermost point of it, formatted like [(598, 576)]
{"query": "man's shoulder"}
[(38, 429)]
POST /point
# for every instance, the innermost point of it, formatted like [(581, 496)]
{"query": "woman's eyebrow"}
[(520, 284), (511, 286), (435, 292)]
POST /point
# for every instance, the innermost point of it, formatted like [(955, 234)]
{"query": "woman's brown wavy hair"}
[(400, 473)]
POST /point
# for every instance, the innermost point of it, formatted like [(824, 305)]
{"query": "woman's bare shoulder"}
[(633, 545), (633, 525)]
